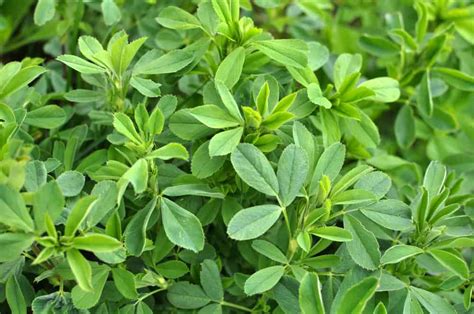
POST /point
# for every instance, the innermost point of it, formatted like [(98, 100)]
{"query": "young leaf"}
[(292, 171), (310, 297), (44, 11), (169, 151), (13, 244), (111, 12), (203, 165), (125, 283), (263, 280), (14, 295), (452, 262), (181, 226), (432, 302), (252, 222), (80, 268), (85, 299), (135, 232), (96, 242), (269, 250), (253, 167), (211, 280), (185, 295), (214, 117), (230, 69), (225, 142), (228, 100), (332, 233), (176, 18), (424, 99), (288, 52), (81, 65), (78, 214), (46, 117), (398, 253), (13, 211), (172, 269), (364, 248)]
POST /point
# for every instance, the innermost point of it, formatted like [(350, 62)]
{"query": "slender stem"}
[(287, 221), (236, 306), (149, 294)]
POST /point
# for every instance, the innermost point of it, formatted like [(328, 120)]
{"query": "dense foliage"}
[(226, 156)]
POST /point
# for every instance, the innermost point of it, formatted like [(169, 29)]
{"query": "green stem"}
[(236, 306), (140, 299)]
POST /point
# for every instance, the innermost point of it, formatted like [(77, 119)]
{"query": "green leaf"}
[(78, 214), (228, 100), (364, 248), (135, 232), (253, 167), (424, 99), (111, 12), (288, 52), (315, 94), (124, 125), (269, 250), (137, 175), (125, 283), (171, 62), (292, 171), (192, 189), (172, 269), (355, 299), (455, 78), (71, 183), (80, 268), (44, 11), (391, 214), (332, 233), (457, 265), (13, 211), (252, 222), (211, 280), (432, 302), (346, 64), (225, 142), (87, 299), (230, 69), (386, 89), (405, 127), (96, 242), (214, 117), (19, 78), (181, 226), (146, 87), (185, 295), (81, 65), (176, 18), (14, 295), (329, 164), (83, 96), (434, 178), (353, 196), (13, 244), (203, 165), (350, 178), (46, 117), (155, 123), (398, 253), (263, 280), (169, 151), (310, 297), (379, 46)]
